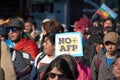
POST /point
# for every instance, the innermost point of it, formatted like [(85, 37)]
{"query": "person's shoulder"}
[(99, 56), (39, 54), (3, 44), (28, 40), (46, 60), (113, 78)]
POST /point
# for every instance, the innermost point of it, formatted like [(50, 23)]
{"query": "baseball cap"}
[(112, 37), (15, 22)]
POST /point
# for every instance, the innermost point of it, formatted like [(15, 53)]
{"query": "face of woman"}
[(55, 74), (116, 68), (99, 47)]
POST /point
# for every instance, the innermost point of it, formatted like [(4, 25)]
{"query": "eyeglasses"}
[(12, 29), (53, 75)]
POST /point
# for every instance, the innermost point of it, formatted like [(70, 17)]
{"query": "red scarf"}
[(27, 46)]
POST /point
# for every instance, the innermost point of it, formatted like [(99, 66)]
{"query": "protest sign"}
[(69, 43)]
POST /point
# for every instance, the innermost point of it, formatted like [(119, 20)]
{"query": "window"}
[(45, 7)]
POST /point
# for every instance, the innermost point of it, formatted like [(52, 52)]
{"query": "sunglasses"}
[(12, 29), (53, 75)]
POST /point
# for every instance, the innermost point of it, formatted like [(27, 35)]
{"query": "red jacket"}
[(28, 46)]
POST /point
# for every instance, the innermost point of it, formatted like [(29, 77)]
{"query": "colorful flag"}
[(106, 12)]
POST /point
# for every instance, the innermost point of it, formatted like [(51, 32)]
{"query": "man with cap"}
[(25, 50), (101, 65), (6, 63)]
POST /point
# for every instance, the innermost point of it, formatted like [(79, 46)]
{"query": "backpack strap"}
[(98, 64), (41, 57)]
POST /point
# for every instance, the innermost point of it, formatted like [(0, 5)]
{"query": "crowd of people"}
[(29, 54)]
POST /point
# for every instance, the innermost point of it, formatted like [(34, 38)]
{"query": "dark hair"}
[(113, 22), (97, 21), (29, 21), (72, 63), (108, 29), (117, 56), (51, 37), (52, 26), (35, 24), (62, 65)]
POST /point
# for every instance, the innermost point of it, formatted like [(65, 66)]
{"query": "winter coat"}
[(103, 72), (6, 63)]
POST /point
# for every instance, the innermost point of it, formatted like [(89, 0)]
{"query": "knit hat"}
[(85, 21), (15, 22), (81, 25), (112, 37)]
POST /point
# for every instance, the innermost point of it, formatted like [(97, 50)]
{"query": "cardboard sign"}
[(69, 43)]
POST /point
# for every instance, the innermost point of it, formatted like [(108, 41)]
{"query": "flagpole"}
[(93, 17)]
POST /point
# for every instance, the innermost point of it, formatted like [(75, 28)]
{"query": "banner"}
[(106, 12), (69, 43)]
